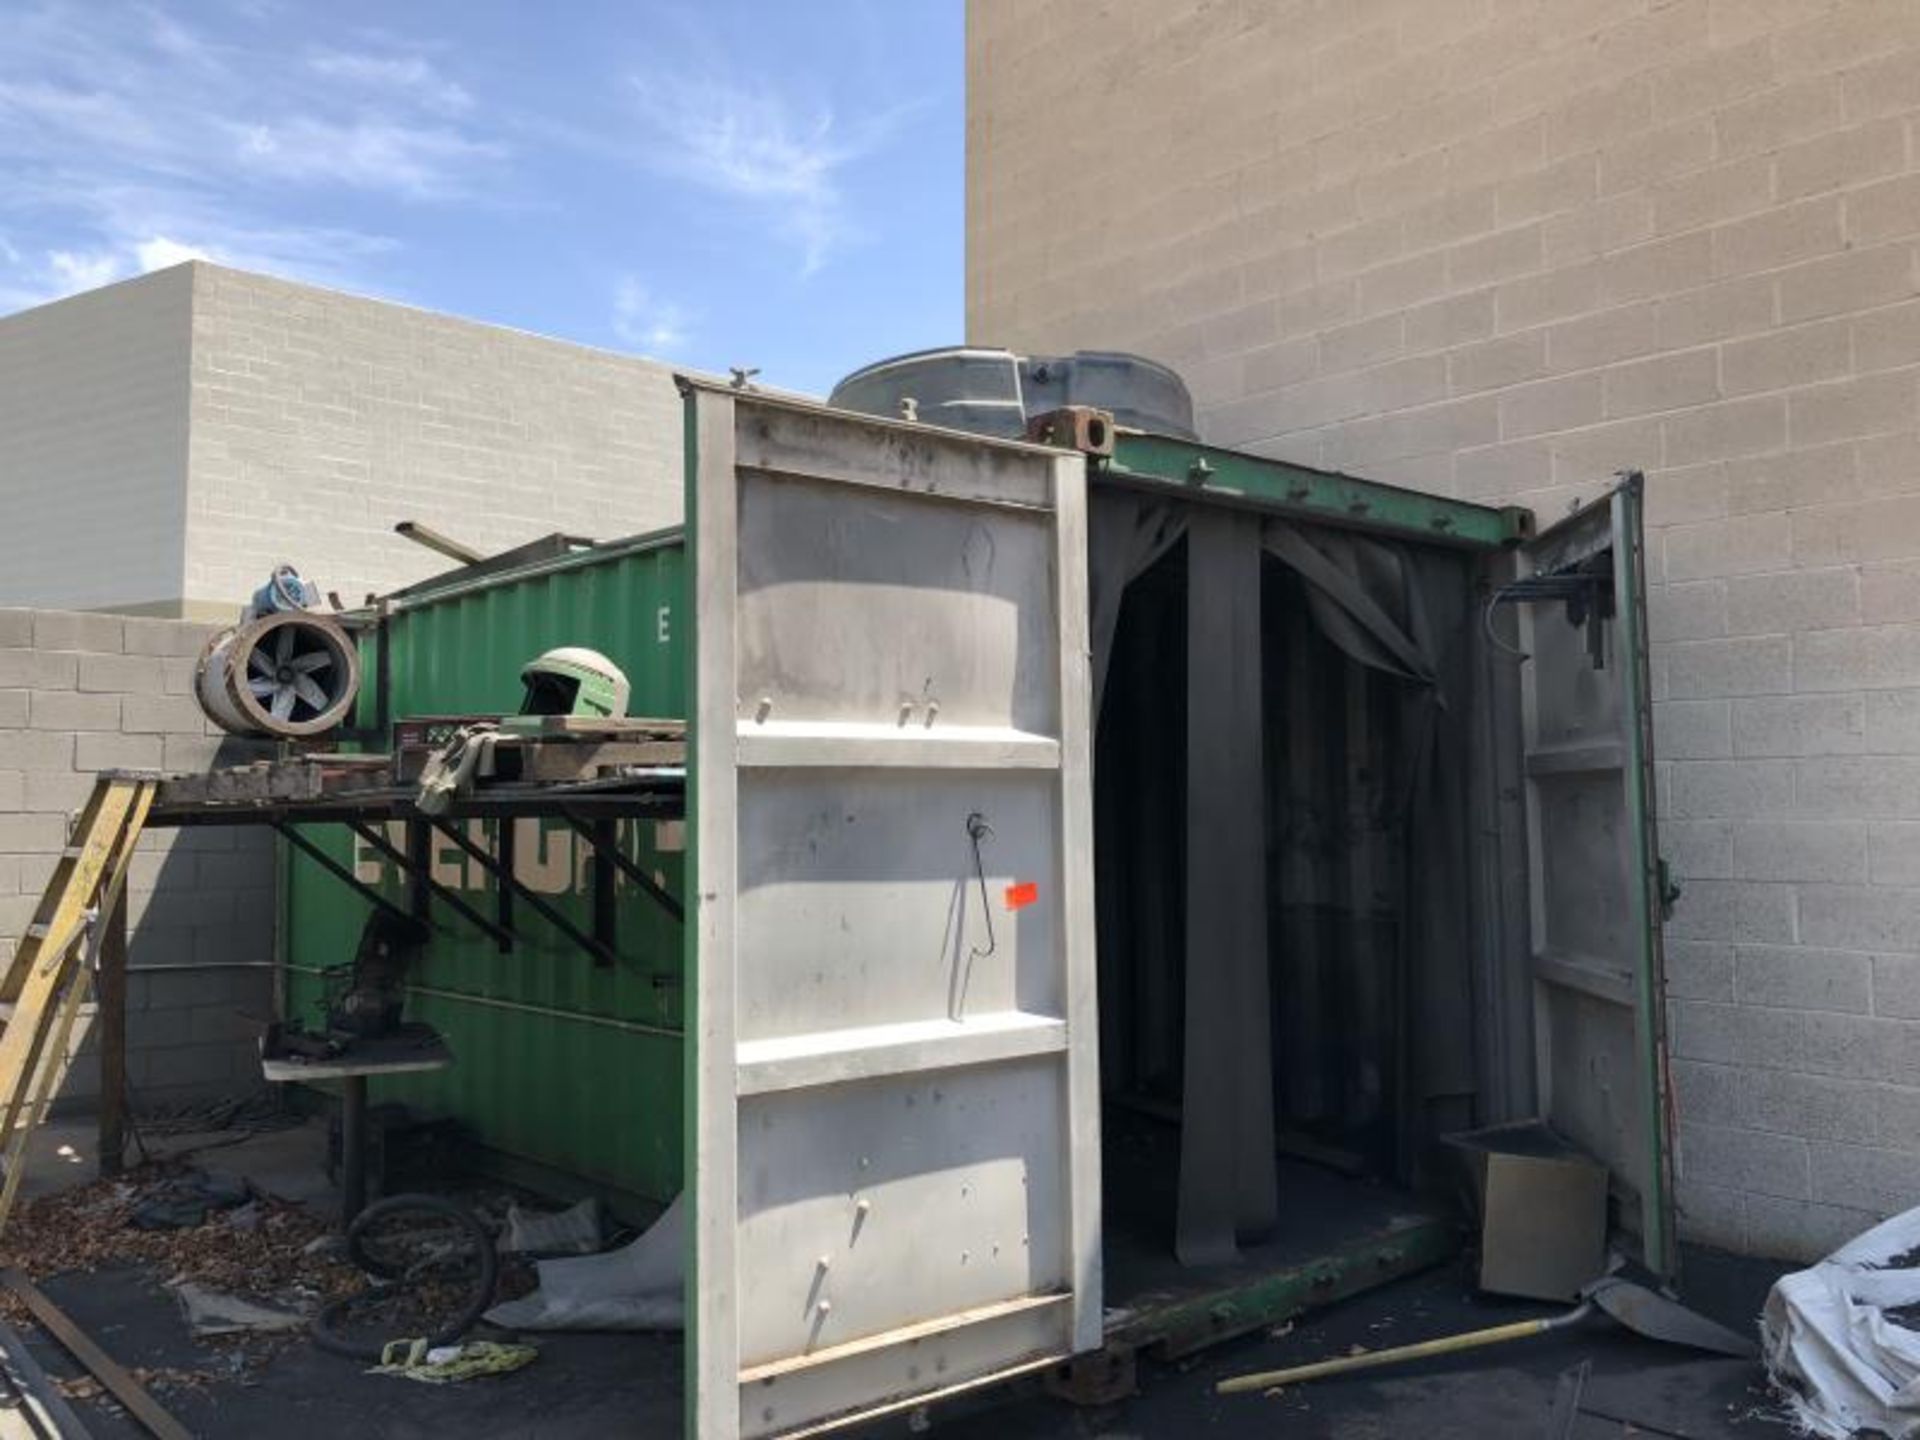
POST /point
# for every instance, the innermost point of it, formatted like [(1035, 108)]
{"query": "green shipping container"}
[(553, 1053)]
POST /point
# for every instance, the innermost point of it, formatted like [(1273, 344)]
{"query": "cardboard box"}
[(1542, 1204)]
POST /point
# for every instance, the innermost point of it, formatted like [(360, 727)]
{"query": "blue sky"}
[(712, 182)]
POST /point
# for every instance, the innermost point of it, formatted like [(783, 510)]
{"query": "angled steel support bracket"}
[(340, 872), (418, 866), (602, 953), (626, 864), (503, 845)]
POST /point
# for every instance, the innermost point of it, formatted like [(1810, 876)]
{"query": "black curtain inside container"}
[(1280, 833)]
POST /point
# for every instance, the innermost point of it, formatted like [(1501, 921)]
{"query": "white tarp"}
[(637, 1287), (1831, 1346)]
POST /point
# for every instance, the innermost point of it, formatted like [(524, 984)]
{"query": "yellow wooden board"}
[(49, 975)]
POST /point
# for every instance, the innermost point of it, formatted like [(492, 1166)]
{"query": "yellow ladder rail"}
[(119, 802), (49, 976)]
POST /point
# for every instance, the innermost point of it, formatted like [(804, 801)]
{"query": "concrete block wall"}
[(1501, 249), (320, 419), (93, 447), (80, 693), (164, 442)]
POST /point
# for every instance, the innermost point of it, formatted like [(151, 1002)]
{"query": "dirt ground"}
[(613, 1385)]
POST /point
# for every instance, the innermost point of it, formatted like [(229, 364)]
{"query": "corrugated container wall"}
[(553, 1053)]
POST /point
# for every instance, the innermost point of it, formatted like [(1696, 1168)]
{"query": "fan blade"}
[(282, 707), (260, 688), (309, 692), (283, 645), (317, 660), (258, 662)]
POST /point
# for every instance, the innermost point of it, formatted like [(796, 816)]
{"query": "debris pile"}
[(188, 1227), (154, 1377)]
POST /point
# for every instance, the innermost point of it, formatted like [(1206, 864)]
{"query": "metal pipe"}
[(202, 965), (434, 540), (606, 1022), (1368, 1360)]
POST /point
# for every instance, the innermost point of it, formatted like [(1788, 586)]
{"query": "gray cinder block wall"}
[(1500, 249), (80, 693), (165, 441)]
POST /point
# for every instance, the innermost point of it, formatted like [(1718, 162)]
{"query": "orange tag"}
[(1021, 896)]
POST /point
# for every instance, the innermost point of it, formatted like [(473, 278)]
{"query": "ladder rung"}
[(39, 930), (73, 852)]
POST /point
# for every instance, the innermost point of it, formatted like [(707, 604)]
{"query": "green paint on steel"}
[(1187, 468), (534, 1075), (1644, 887), (558, 1062), (691, 1386), (1188, 1323)]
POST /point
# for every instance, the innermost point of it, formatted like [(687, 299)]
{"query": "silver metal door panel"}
[(893, 606), (1579, 818), (920, 459), (943, 1184), (1596, 954), (870, 911), (895, 1130), (959, 1352)]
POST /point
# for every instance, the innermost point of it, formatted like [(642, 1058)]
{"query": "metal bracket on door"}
[(1587, 592)]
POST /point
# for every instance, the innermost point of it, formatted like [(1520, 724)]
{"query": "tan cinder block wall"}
[(320, 419), (93, 446), (81, 693), (1500, 249), (164, 442)]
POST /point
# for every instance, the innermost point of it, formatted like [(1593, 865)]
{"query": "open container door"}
[(1595, 875), (894, 1141)]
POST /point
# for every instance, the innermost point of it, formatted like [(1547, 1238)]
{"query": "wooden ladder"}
[(51, 970)]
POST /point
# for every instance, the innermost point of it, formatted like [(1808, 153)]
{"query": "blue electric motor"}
[(284, 590)]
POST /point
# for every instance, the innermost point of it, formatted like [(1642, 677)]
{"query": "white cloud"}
[(132, 137), (369, 154), (411, 77), (158, 252), (68, 272), (72, 270), (758, 146), (645, 323)]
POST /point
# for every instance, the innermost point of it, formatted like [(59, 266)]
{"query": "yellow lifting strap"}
[(49, 975)]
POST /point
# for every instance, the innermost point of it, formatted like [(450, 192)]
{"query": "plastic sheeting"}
[(1126, 535), (1832, 1344), (637, 1287), (1228, 1185), (1336, 899)]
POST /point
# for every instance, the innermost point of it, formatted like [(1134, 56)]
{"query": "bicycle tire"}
[(435, 1205), (325, 1327)]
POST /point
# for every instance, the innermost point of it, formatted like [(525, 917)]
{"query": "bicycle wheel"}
[(422, 1236), (436, 1268)]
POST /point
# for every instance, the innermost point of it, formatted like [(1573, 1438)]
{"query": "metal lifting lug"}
[(1074, 427)]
